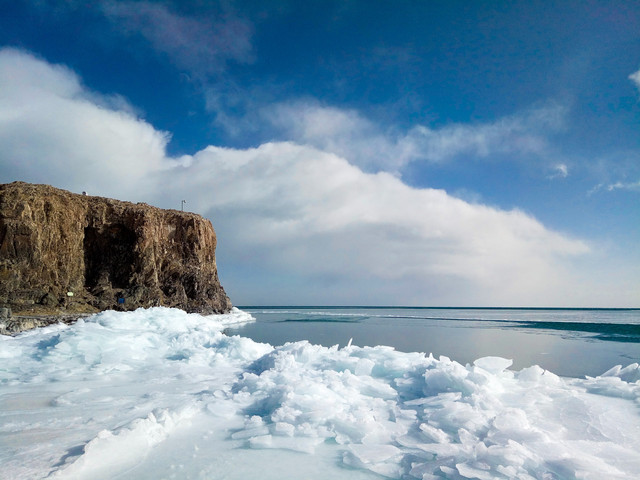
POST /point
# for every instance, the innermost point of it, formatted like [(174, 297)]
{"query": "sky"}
[(428, 153)]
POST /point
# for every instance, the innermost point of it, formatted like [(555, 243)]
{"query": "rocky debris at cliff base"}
[(16, 324)]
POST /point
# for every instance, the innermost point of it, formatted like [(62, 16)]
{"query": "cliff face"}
[(63, 252)]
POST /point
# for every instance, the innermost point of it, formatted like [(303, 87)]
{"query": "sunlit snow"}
[(160, 393)]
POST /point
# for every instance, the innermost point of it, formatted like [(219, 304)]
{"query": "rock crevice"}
[(63, 252)]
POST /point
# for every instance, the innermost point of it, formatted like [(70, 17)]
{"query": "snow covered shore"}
[(159, 393)]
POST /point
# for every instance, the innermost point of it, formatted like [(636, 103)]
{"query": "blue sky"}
[(423, 153)]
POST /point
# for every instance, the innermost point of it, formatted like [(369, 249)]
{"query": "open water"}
[(568, 342)]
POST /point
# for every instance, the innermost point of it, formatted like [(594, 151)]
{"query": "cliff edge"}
[(63, 253)]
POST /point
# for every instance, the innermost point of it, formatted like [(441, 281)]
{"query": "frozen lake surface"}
[(159, 393), (569, 342)]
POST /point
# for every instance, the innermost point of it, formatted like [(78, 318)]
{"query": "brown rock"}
[(66, 253)]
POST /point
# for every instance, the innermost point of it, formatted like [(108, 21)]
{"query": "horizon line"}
[(436, 307)]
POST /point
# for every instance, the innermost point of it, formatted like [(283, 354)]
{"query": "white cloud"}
[(300, 223), (635, 78), (635, 186), (361, 141), (311, 213), (342, 132), (560, 170), (197, 44), (611, 187), (53, 130)]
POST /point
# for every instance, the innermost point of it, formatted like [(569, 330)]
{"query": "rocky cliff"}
[(63, 253)]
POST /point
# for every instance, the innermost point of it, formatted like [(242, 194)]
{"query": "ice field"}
[(160, 394)]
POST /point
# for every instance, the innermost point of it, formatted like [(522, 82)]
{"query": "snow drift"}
[(159, 393)]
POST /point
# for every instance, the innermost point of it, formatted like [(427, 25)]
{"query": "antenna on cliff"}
[(182, 205)]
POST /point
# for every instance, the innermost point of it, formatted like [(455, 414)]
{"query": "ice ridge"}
[(159, 393)]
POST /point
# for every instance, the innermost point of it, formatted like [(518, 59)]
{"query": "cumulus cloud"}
[(297, 216), (349, 134), (53, 130), (303, 210), (197, 44)]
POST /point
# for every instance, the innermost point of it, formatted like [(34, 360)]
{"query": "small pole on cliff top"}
[(182, 205)]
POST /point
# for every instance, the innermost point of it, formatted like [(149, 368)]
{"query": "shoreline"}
[(16, 324)]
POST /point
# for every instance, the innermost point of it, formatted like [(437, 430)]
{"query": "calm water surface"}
[(571, 342)]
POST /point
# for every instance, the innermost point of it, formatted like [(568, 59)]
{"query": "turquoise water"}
[(568, 342)]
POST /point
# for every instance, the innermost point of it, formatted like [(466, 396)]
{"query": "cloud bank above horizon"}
[(298, 215)]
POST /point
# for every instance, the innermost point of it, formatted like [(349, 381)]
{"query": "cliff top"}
[(44, 190)]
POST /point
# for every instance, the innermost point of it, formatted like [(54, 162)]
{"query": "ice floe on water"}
[(160, 393)]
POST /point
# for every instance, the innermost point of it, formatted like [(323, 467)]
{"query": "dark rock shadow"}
[(71, 453)]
